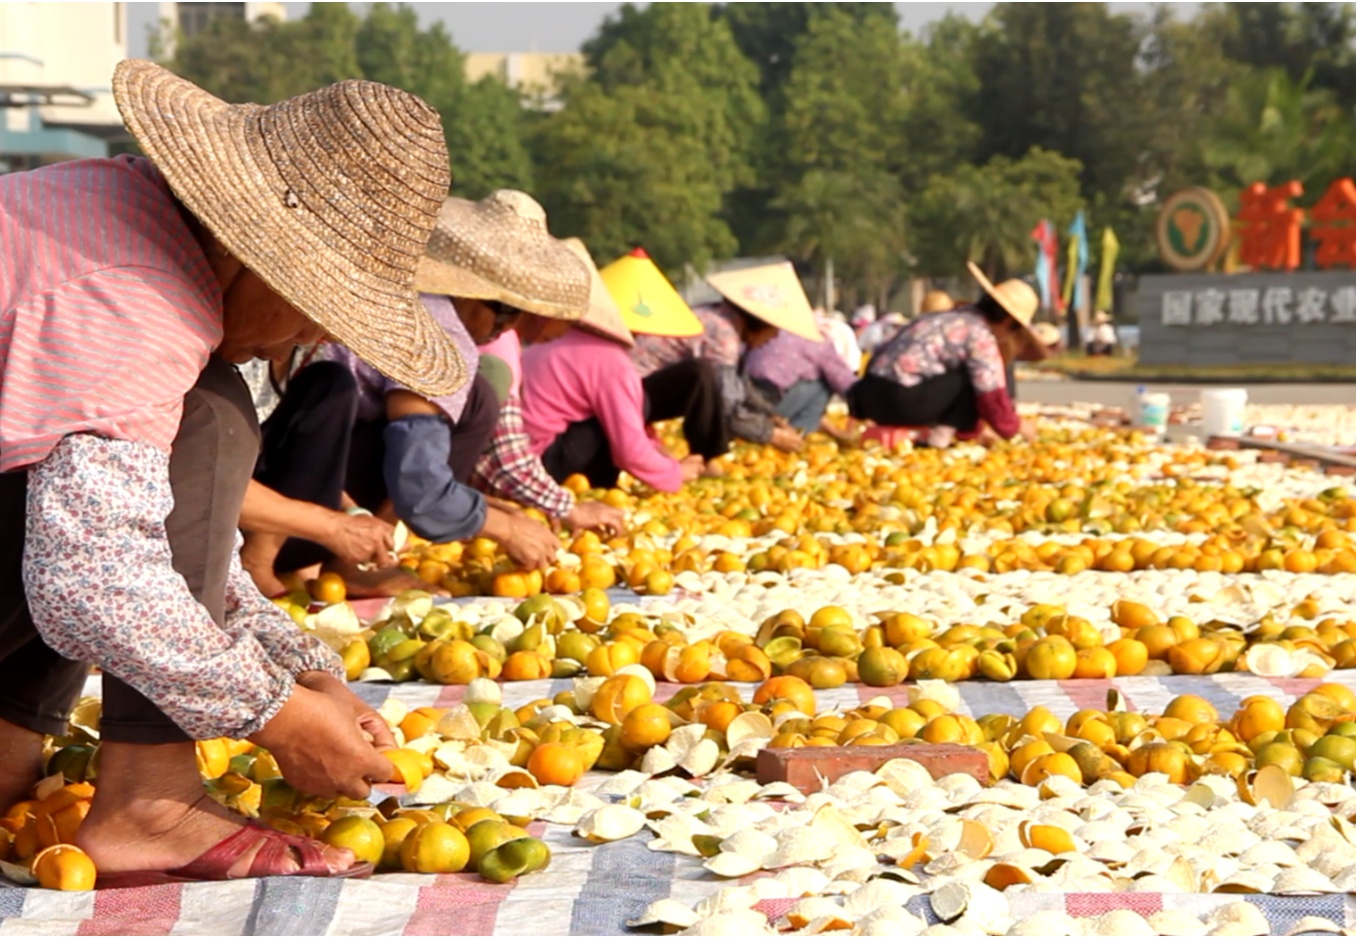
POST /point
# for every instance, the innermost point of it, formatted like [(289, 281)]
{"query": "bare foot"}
[(21, 759), (257, 555), (385, 582), (150, 813)]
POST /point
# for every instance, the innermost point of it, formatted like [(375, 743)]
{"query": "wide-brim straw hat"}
[(1018, 299), (603, 317), (771, 292), (936, 301), (328, 197), (648, 302), (499, 249)]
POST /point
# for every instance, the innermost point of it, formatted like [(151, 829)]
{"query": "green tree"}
[(837, 150), (1063, 77), (267, 61), (940, 85), (1274, 129), (986, 213), (1302, 39), (487, 133), (649, 146), (606, 172), (392, 49)]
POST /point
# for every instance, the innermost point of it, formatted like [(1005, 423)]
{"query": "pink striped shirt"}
[(108, 308)]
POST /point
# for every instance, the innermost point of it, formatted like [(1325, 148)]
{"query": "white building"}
[(56, 69)]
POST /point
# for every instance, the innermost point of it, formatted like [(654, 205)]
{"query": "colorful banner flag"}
[(1111, 247), (1046, 273), (1077, 263)]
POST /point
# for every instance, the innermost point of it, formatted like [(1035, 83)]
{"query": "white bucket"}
[(1153, 410), (1222, 411)]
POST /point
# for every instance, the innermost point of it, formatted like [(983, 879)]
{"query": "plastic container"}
[(1222, 411), (1152, 410)]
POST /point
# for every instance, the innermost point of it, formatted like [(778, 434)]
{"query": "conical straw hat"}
[(329, 197), (772, 293), (499, 249), (648, 302), (603, 316), (1018, 298)]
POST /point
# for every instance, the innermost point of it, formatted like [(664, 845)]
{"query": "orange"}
[(435, 848), (619, 696), (1053, 657), (577, 483), (360, 835), (511, 584), (718, 714), (556, 764), (1095, 663), (1191, 708), (64, 867), (787, 687), (329, 587), (1131, 656), (393, 835), (646, 726), (594, 572), (526, 666)]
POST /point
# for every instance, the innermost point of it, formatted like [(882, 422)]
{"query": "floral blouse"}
[(958, 339), (102, 589)]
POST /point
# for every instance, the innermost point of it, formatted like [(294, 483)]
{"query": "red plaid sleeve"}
[(510, 470)]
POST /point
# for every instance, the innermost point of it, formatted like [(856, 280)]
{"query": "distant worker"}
[(948, 370), (1103, 340)]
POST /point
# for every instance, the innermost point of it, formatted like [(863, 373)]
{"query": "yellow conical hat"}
[(648, 302), (772, 293)]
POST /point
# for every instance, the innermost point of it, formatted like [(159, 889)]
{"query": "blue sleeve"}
[(426, 496)]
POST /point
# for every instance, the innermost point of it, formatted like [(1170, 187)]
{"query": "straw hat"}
[(499, 249), (936, 301), (329, 197), (1015, 296), (648, 302), (603, 317), (771, 292), (1047, 334)]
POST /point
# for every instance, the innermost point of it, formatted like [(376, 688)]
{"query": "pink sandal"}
[(213, 864)]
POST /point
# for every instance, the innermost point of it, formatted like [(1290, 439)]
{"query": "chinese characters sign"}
[(1194, 230), (1279, 305)]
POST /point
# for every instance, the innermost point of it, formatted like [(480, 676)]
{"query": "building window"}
[(195, 17)]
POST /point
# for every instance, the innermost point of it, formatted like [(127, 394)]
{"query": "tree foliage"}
[(823, 132)]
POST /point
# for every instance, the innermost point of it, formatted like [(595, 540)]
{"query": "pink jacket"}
[(581, 376)]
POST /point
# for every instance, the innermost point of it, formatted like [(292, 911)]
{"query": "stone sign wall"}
[(1222, 319)]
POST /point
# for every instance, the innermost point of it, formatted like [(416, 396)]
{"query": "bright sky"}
[(561, 26)]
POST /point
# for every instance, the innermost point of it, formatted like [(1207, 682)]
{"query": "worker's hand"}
[(784, 438), (322, 746), (692, 467), (1028, 430), (596, 516), (361, 539), (530, 544)]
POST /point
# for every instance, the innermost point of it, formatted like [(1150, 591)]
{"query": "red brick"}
[(802, 767), (1272, 456), (1335, 469), (1224, 443)]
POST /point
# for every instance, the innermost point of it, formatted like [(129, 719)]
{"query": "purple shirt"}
[(789, 358), (373, 386)]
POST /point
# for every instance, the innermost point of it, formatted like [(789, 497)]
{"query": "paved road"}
[(1122, 394)]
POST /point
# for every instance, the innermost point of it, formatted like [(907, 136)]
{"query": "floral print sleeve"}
[(247, 610), (102, 589)]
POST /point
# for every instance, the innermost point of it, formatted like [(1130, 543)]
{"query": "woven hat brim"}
[(448, 280), (603, 318), (499, 249), (1020, 317), (796, 317), (214, 157)]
